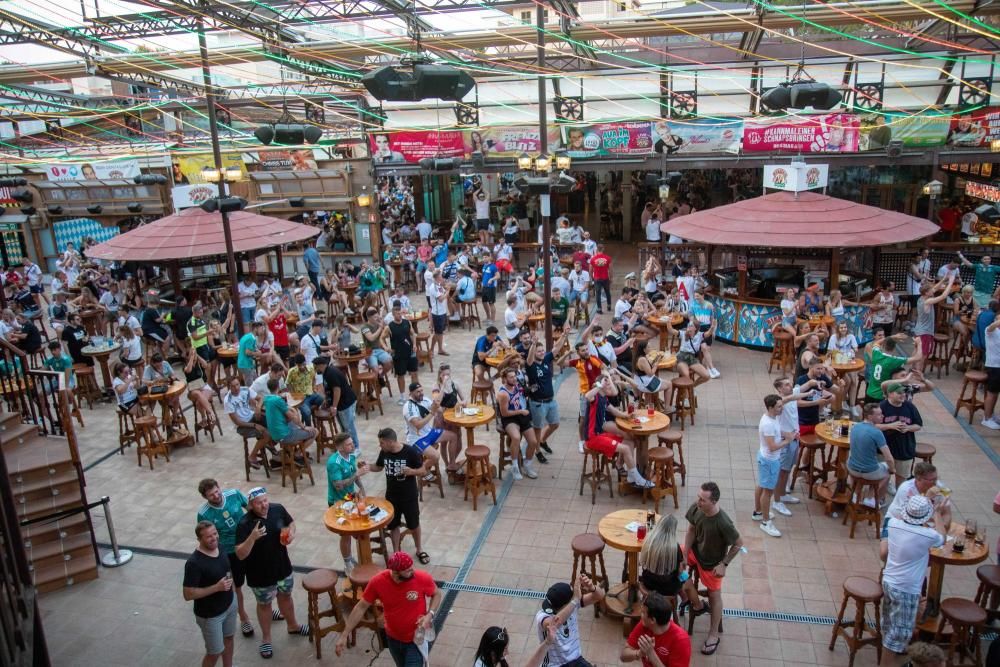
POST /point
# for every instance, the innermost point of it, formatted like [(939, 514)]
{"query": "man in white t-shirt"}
[(906, 551), (923, 483), (513, 320), (482, 202), (559, 617), (589, 244), (920, 270), (248, 300), (579, 282), (243, 407), (437, 295), (311, 344), (950, 270), (622, 305), (789, 421), (653, 228), (991, 339), (277, 372), (772, 441), (686, 285)]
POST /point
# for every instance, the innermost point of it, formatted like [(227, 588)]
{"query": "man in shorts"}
[(711, 544), (243, 406), (588, 369), (419, 413), (437, 295), (773, 439), (403, 465), (208, 583), (284, 424), (867, 441), (906, 551), (224, 509), (262, 539), (404, 349), (541, 368), (488, 292)]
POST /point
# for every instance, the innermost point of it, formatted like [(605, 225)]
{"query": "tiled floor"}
[(135, 614)]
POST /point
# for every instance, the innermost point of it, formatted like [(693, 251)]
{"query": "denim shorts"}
[(788, 456), (378, 356), (295, 434), (543, 412), (265, 594), (767, 472), (215, 629)]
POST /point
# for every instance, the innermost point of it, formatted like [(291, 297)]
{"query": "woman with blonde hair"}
[(662, 560)]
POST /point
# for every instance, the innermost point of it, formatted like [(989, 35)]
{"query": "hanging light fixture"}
[(543, 163), (563, 160), (524, 162), (364, 199)]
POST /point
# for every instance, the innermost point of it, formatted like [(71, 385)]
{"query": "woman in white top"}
[(688, 359), (125, 385), (131, 352), (789, 311), (843, 341), (836, 305)]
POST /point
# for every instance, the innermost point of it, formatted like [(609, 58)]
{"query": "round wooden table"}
[(175, 389), (853, 366), (835, 492), (101, 354), (816, 321), (414, 317), (94, 321), (293, 400), (622, 599), (228, 351), (352, 361), (946, 555), (350, 287), (661, 321), (664, 362), (640, 432), (537, 321), (360, 528), (494, 362), (470, 422)]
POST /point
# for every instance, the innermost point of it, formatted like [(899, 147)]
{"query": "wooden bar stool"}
[(359, 578), (973, 379), (482, 392), (811, 448), (590, 547), (478, 474), (988, 594), (675, 443), (316, 583), (505, 448), (926, 452), (326, 428), (470, 314), (435, 472), (863, 591), (660, 470), (939, 355), (966, 619), (596, 471), (295, 465), (369, 394), (782, 354), (424, 352), (149, 441), (86, 384), (265, 462), (126, 430), (683, 400), (200, 423), (856, 509)]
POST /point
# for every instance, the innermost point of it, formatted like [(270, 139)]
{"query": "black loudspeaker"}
[(150, 179), (894, 149), (651, 180), (288, 134), (24, 196), (12, 182), (134, 207), (777, 98), (563, 183), (297, 202), (440, 163), (533, 185), (54, 209), (442, 82), (987, 213), (226, 205), (28, 210), (815, 95), (95, 209), (264, 134), (390, 84)]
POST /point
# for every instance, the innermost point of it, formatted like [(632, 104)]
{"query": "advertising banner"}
[(504, 141), (389, 147), (877, 130), (603, 139), (188, 168), (827, 133), (186, 196), (89, 171), (698, 135), (300, 160), (975, 128)]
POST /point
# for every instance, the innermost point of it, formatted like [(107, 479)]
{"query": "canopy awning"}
[(194, 234), (809, 220)]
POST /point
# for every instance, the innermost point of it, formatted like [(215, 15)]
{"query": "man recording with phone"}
[(262, 539)]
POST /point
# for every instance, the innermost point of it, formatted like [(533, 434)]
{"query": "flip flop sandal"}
[(247, 629), (266, 651), (708, 648), (303, 631), (423, 557), (276, 615)]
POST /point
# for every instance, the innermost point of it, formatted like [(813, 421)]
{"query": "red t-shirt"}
[(582, 257), (404, 602), (673, 647), (280, 331), (600, 264), (949, 219)]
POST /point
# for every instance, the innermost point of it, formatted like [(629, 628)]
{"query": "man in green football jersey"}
[(884, 363), (225, 509)]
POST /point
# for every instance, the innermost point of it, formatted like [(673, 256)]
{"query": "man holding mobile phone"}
[(209, 583)]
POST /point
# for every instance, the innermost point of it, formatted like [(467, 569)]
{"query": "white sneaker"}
[(991, 423), (789, 500), (714, 373), (781, 509), (768, 527), (401, 401), (856, 411), (515, 472), (636, 479), (529, 471), (580, 445), (757, 516), (868, 502), (348, 311)]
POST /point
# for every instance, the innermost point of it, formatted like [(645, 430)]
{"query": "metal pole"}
[(213, 128), (543, 138), (117, 556)]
